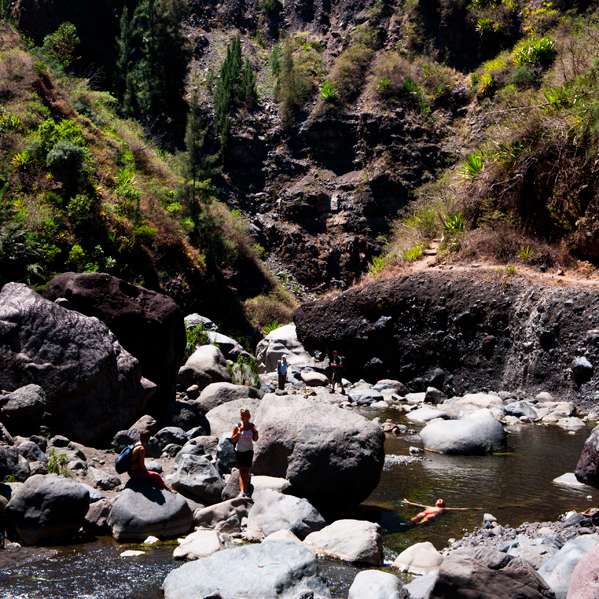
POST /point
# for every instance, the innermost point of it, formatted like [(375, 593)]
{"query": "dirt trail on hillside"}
[(583, 277)]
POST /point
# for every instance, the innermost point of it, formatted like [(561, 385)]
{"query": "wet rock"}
[(331, 456), (46, 507), (273, 511), (143, 509), (93, 386), (149, 325), (377, 585), (464, 437), (291, 571), (348, 540)]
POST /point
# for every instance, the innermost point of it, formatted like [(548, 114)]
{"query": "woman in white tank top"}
[(244, 435)]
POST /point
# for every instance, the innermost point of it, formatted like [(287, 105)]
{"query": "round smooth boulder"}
[(374, 584), (584, 581), (348, 540), (206, 365), (270, 570), (196, 476), (472, 436), (281, 341), (217, 394), (224, 418), (46, 507), (421, 558), (332, 457), (143, 509), (274, 511), (314, 379)]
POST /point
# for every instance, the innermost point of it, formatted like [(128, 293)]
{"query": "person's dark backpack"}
[(123, 461), (342, 361)]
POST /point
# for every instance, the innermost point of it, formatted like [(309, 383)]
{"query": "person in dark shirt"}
[(337, 365)]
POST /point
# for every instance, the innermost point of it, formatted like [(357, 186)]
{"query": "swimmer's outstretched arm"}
[(416, 504)]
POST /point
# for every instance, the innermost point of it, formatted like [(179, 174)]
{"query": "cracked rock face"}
[(93, 387)]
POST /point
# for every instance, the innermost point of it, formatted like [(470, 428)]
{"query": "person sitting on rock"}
[(282, 371), (337, 364), (244, 435), (138, 467), (431, 512)]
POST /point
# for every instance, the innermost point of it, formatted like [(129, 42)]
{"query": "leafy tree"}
[(290, 89), (126, 43), (60, 45)]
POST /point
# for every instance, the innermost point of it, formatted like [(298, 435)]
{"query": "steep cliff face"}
[(484, 332)]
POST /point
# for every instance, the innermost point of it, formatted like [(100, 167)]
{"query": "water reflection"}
[(515, 486)]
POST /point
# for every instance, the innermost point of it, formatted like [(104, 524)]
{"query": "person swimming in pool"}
[(431, 512)]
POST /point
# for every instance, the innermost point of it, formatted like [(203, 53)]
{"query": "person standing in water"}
[(431, 512), (244, 435)]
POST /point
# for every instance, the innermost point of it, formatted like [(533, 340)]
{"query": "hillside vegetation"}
[(186, 145)]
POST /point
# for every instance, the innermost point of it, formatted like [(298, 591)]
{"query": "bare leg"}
[(244, 477)]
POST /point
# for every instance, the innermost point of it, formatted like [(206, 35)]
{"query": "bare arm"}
[(141, 457), (416, 504), (235, 434), (255, 437), (462, 508)]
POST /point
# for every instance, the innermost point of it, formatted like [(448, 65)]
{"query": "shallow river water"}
[(515, 487)]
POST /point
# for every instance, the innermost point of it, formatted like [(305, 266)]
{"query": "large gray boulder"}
[(93, 386), (46, 507), (196, 476), (226, 459), (587, 469), (348, 540), (374, 584), (332, 457), (557, 571), (274, 511), (278, 342), (149, 325), (143, 509), (520, 408), (206, 365), (464, 437), (462, 576), (217, 394), (211, 516), (182, 414), (271, 570), (226, 416)]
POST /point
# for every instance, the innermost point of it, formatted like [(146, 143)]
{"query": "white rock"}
[(202, 543), (568, 480), (421, 558), (569, 423), (151, 540), (348, 540), (374, 584), (132, 553)]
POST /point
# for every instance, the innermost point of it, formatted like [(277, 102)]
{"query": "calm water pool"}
[(515, 487)]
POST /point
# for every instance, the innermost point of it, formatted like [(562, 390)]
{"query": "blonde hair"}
[(245, 411)]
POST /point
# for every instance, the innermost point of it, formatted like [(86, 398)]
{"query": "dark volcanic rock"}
[(443, 320), (147, 324), (46, 507), (25, 409), (93, 386), (587, 469)]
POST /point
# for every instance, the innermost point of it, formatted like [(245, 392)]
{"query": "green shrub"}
[(349, 72), (412, 254), (272, 326), (77, 259), (60, 45), (270, 7), (80, 210), (471, 166), (57, 463), (65, 161), (195, 336), (245, 372), (377, 265), (522, 77), (329, 93), (539, 51)]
